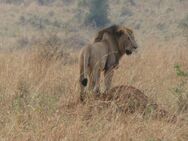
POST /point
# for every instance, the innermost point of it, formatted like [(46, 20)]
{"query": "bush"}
[(184, 23), (40, 21), (184, 26), (125, 12), (83, 3), (132, 2), (12, 1), (50, 47), (181, 91), (45, 2), (98, 13), (23, 42)]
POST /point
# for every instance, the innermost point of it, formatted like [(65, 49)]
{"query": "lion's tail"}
[(84, 69)]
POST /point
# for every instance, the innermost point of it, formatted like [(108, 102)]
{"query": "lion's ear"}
[(129, 30), (111, 30), (121, 31)]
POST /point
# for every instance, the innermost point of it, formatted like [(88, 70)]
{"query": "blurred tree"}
[(45, 2), (132, 2), (181, 91), (12, 1), (98, 13), (184, 26)]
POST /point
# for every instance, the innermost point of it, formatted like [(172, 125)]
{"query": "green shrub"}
[(126, 12), (40, 21), (22, 99), (45, 2), (83, 3), (132, 2), (184, 26), (12, 1), (184, 23), (181, 91), (23, 42)]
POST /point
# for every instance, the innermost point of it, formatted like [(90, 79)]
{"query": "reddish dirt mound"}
[(119, 100), (128, 98), (131, 100)]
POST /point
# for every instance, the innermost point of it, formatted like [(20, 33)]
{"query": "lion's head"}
[(126, 40), (122, 35)]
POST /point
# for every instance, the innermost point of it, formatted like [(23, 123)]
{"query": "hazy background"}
[(39, 45), (23, 22)]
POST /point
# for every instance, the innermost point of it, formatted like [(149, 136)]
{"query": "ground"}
[(39, 91)]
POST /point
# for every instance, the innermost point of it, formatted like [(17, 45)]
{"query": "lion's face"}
[(127, 41), (124, 37)]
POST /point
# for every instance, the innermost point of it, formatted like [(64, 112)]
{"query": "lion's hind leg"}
[(108, 79), (96, 79), (82, 82), (81, 88)]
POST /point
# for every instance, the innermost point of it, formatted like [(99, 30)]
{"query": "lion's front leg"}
[(108, 79), (94, 79)]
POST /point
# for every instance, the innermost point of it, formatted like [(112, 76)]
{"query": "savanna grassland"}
[(39, 45)]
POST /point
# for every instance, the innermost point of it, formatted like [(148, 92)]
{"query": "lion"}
[(103, 55)]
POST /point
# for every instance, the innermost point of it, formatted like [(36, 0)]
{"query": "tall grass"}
[(38, 98), (39, 84)]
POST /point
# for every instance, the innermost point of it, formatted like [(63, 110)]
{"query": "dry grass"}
[(39, 98), (39, 85)]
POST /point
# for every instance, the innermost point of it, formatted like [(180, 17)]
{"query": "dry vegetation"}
[(39, 74)]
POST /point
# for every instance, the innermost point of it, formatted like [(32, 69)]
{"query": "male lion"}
[(103, 55)]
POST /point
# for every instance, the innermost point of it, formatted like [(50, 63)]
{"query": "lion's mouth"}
[(128, 52)]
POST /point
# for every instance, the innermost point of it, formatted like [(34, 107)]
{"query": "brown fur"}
[(103, 55)]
